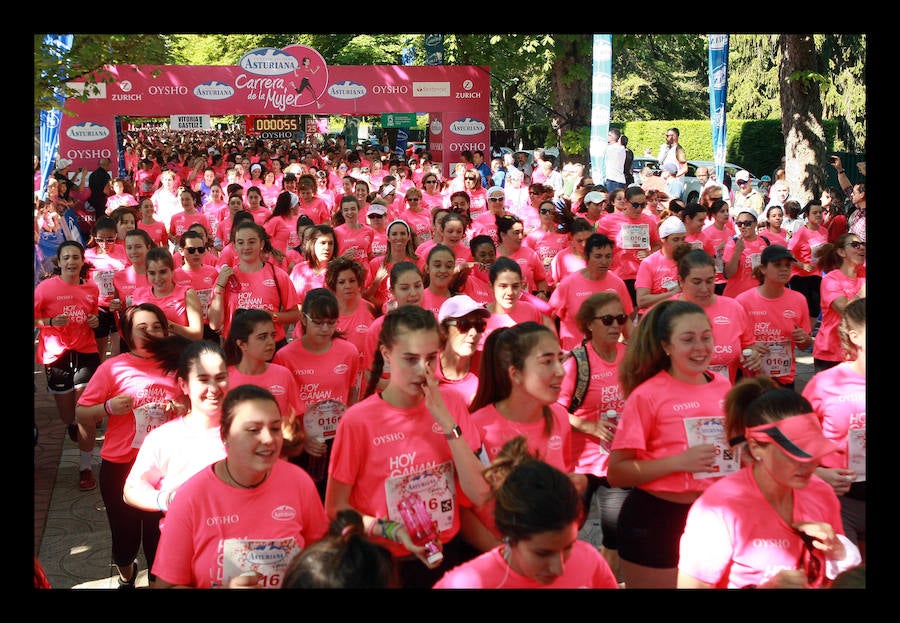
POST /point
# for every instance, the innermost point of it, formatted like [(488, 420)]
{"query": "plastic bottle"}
[(610, 417), (233, 283), (744, 355), (420, 526), (317, 466)]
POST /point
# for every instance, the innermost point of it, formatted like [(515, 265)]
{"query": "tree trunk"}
[(801, 117), (570, 81)]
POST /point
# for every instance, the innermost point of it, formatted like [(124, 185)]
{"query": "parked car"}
[(638, 165), (693, 187)]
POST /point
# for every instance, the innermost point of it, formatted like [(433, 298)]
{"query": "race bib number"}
[(270, 559), (321, 418), (711, 430), (779, 360), (635, 236), (856, 452), (146, 418), (435, 485)]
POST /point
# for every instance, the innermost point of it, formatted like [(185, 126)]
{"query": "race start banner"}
[(290, 81)]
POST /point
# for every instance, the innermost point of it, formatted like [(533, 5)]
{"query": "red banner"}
[(292, 81)]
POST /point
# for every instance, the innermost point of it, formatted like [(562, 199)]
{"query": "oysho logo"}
[(213, 90), (467, 126), (684, 406), (268, 62), (88, 131), (347, 90)]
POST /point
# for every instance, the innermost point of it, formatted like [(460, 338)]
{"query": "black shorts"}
[(649, 530), (71, 371), (107, 323)]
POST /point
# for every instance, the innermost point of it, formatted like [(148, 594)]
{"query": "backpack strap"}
[(584, 377)]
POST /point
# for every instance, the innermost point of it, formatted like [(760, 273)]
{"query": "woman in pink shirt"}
[(440, 271), (774, 523), (137, 244), (416, 216), (66, 314), (537, 512), (345, 277), (779, 316), (120, 197), (667, 439), (510, 234), (844, 281), (476, 192), (593, 419), (276, 502), (401, 247), (432, 197), (411, 437), (520, 376), (282, 224), (657, 275), (732, 331), (462, 322), (476, 274), (742, 255), (180, 303), (694, 218), (838, 397), (135, 391), (148, 223), (549, 239), (569, 295), (407, 288), (717, 234), (184, 445), (571, 258), (507, 309), (105, 259), (806, 275), (326, 370), (319, 246), (257, 284), (771, 227), (354, 238), (249, 350), (256, 206)]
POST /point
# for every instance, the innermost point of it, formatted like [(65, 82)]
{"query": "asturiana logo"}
[(87, 131), (467, 126), (214, 90), (347, 90), (268, 62)]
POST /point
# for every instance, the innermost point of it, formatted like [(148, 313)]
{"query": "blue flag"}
[(601, 89), (718, 92), (52, 119)]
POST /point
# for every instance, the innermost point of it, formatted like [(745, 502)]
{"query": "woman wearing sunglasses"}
[(568, 296), (593, 419), (462, 323), (197, 274), (477, 194), (844, 266), (326, 370), (742, 254), (774, 523), (104, 259)]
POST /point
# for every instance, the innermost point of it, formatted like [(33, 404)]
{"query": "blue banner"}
[(601, 89), (718, 94), (434, 49), (51, 120), (408, 55)]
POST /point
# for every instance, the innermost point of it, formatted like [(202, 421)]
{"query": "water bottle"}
[(233, 283), (420, 526), (744, 355), (611, 418), (317, 466)]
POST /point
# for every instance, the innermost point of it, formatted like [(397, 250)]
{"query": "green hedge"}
[(756, 145)]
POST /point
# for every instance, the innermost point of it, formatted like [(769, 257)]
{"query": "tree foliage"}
[(538, 81)]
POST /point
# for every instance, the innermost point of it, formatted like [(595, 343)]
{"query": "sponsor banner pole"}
[(601, 89), (718, 92), (51, 120)]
